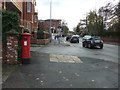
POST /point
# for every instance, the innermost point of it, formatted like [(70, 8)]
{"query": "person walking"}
[(58, 38)]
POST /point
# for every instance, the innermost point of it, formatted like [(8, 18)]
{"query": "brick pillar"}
[(35, 36), (4, 53), (45, 36), (12, 45)]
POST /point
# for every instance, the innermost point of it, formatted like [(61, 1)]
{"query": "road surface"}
[(67, 65)]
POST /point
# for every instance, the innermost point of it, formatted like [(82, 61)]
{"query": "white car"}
[(75, 36), (87, 36)]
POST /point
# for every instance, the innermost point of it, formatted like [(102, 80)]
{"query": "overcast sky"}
[(69, 10)]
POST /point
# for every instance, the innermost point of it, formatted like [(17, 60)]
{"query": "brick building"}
[(45, 25), (26, 11), (28, 20)]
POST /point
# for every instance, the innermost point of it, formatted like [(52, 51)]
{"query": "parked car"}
[(92, 41), (74, 39), (68, 37), (87, 36), (76, 36)]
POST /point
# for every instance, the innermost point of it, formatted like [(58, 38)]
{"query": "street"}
[(67, 65)]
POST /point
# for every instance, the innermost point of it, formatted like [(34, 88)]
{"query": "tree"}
[(94, 23), (77, 29), (117, 13), (65, 29)]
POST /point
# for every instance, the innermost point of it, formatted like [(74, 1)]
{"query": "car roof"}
[(75, 36)]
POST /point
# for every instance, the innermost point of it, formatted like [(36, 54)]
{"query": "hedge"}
[(40, 34), (11, 21)]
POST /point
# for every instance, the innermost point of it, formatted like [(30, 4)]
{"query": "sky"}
[(71, 11)]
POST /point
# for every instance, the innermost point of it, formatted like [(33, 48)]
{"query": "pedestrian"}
[(55, 37), (58, 38)]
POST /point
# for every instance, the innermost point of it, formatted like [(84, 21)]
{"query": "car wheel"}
[(89, 46), (83, 45), (86, 46)]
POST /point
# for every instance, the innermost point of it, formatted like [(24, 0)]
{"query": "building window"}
[(28, 6), (35, 18), (29, 25), (2, 5)]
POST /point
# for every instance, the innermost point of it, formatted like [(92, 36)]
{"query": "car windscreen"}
[(75, 37), (96, 38)]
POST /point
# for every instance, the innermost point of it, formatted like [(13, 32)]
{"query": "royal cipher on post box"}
[(26, 48)]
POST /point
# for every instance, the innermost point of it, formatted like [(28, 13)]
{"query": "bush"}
[(32, 32), (111, 33), (40, 35), (26, 31), (10, 20), (11, 23)]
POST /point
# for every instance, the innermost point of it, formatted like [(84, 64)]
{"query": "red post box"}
[(26, 48)]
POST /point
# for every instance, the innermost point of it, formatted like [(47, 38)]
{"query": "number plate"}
[(97, 41), (75, 39)]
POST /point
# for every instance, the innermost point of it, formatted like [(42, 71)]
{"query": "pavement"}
[(42, 73), (52, 69), (0, 64)]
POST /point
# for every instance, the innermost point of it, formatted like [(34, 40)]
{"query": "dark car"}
[(68, 37), (92, 41), (74, 39)]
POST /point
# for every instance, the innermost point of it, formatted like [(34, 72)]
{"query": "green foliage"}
[(10, 20), (26, 31), (40, 34), (32, 32), (111, 33), (1, 26), (77, 29), (95, 25), (65, 29), (11, 24), (118, 11)]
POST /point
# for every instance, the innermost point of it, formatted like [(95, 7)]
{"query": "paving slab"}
[(64, 58)]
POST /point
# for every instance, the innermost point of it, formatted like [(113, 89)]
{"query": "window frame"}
[(35, 18), (29, 7), (29, 26)]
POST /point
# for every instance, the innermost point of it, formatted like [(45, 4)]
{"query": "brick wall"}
[(45, 24), (43, 41), (11, 53), (34, 38), (46, 35), (0, 52), (113, 39)]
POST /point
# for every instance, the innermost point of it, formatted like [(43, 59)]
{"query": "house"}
[(45, 25), (27, 13), (28, 21)]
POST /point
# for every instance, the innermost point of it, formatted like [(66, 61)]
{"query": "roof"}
[(53, 20)]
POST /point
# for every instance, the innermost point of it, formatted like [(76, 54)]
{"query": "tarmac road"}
[(67, 65), (108, 53)]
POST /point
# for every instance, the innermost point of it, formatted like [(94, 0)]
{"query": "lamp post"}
[(50, 16)]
